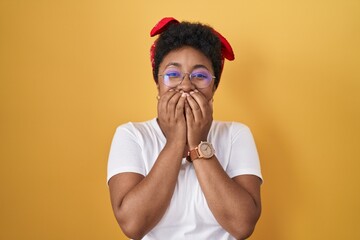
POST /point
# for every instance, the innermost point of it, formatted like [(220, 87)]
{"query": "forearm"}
[(233, 207), (143, 207)]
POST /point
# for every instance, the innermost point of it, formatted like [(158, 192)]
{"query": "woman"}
[(183, 175)]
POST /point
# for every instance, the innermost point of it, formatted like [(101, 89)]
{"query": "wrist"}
[(204, 150), (175, 142)]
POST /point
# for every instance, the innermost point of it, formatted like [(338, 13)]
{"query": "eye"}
[(200, 75), (173, 74)]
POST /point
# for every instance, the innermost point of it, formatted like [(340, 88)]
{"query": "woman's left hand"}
[(198, 112)]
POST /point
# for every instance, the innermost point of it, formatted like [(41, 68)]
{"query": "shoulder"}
[(229, 131), (140, 132), (136, 127), (230, 127)]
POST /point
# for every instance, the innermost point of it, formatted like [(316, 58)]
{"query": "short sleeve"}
[(125, 152), (244, 158)]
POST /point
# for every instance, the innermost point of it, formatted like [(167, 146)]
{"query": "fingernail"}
[(183, 94), (171, 90), (192, 92), (196, 90)]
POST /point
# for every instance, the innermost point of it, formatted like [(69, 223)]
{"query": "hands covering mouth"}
[(185, 117)]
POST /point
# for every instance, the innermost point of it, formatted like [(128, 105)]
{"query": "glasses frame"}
[(183, 74)]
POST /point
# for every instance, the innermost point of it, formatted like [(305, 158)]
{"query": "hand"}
[(171, 116), (198, 112)]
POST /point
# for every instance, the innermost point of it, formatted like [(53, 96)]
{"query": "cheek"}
[(161, 88), (208, 93)]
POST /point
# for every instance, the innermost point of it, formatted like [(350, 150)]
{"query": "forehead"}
[(186, 58)]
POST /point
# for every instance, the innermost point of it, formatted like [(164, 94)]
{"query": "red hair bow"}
[(163, 24)]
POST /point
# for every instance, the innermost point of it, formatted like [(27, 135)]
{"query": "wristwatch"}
[(204, 150)]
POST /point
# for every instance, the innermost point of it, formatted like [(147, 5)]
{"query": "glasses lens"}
[(172, 78), (201, 78)]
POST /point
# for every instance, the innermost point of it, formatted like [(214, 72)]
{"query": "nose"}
[(186, 84)]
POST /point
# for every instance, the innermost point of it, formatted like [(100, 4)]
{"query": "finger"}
[(171, 105), (195, 108), (164, 99), (179, 112), (202, 102), (188, 113)]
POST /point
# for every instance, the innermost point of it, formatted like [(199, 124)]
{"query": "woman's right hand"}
[(171, 116)]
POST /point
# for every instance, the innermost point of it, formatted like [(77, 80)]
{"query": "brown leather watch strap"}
[(192, 155)]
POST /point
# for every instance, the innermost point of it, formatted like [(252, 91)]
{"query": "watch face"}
[(206, 150)]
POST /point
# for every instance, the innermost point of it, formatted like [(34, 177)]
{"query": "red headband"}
[(163, 24)]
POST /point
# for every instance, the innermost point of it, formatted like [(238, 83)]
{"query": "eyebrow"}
[(200, 66), (175, 64)]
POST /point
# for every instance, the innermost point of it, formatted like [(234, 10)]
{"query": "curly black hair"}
[(196, 35)]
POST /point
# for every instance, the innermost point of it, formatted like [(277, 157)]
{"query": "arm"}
[(131, 193), (140, 202), (239, 211)]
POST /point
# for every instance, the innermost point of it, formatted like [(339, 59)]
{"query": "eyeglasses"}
[(201, 78)]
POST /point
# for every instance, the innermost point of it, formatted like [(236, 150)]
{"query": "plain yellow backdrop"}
[(72, 71)]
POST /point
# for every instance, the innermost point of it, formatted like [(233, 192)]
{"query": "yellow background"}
[(71, 71)]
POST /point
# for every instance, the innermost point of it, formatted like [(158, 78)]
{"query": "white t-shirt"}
[(135, 148)]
